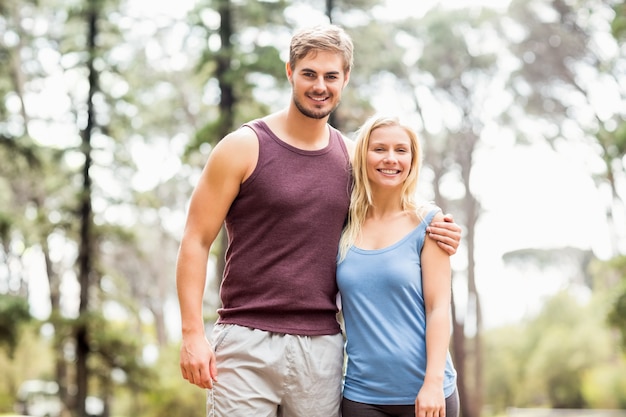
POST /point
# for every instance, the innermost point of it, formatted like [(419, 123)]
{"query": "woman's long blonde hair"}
[(361, 197)]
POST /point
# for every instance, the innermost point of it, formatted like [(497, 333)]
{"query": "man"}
[(281, 186)]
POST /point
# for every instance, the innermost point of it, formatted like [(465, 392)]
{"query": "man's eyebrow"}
[(326, 73)]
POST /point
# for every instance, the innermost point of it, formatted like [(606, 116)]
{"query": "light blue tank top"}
[(385, 321)]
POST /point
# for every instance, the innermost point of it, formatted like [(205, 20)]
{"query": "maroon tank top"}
[(283, 233)]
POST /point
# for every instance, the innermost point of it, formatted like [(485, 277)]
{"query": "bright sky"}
[(398, 8), (533, 198)]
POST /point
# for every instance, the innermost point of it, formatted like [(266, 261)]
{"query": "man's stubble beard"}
[(312, 113)]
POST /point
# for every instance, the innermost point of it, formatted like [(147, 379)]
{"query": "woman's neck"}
[(385, 205)]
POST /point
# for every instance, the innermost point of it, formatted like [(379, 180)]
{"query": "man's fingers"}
[(198, 365), (447, 248), (213, 371), (202, 376), (441, 226), (200, 379)]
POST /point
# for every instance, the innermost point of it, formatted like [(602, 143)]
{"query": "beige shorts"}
[(264, 374)]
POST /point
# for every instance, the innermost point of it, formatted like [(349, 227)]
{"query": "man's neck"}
[(299, 130)]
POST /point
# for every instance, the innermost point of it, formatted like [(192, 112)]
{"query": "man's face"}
[(317, 82)]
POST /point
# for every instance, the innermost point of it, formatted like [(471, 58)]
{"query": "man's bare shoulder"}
[(236, 153), (236, 145), (239, 140)]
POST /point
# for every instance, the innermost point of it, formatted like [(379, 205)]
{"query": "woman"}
[(395, 285)]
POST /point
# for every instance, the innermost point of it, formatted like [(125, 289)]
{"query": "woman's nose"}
[(390, 157)]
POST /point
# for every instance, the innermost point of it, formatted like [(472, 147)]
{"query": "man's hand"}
[(197, 362), (446, 233)]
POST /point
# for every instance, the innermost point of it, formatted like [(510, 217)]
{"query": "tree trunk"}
[(226, 105), (459, 355), (329, 10), (473, 400), (54, 282), (86, 251), (15, 69)]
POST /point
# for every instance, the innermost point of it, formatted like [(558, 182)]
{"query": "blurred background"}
[(109, 108)]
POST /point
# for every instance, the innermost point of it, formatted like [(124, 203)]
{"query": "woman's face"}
[(388, 157)]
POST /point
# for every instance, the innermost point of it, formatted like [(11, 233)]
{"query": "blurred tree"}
[(55, 49), (33, 358), (87, 277), (598, 279), (504, 368), (614, 274), (555, 357), (572, 263), (618, 25), (22, 217), (567, 83), (13, 315), (172, 396), (241, 53), (37, 180), (616, 267), (561, 352)]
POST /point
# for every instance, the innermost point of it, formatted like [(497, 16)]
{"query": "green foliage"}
[(617, 313), (114, 350), (171, 395), (556, 359), (33, 358), (503, 373), (19, 154), (604, 386), (14, 313), (209, 133), (159, 392), (617, 316), (618, 26), (237, 64)]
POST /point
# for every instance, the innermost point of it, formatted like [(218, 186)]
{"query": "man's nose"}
[(319, 83)]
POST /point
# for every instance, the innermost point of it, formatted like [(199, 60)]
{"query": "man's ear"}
[(346, 78), (288, 71)]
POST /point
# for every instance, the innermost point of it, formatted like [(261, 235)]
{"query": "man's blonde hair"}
[(328, 38)]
